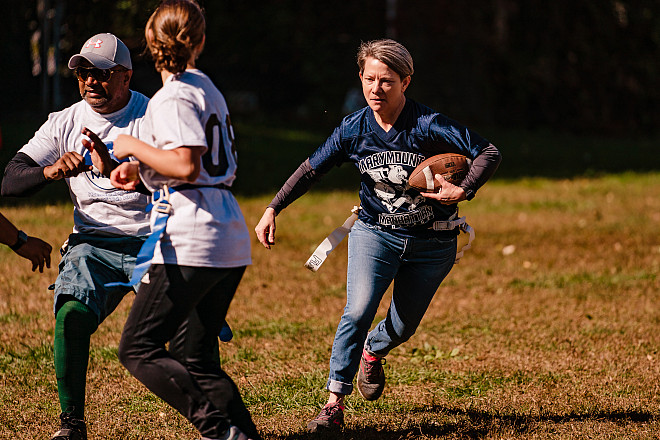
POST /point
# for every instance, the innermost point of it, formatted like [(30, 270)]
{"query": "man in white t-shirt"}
[(110, 225)]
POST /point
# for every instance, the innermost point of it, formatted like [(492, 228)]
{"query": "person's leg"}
[(195, 345), (159, 309), (81, 303), (373, 261), (426, 263), (74, 325)]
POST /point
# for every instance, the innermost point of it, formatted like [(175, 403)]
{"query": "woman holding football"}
[(189, 163), (401, 235)]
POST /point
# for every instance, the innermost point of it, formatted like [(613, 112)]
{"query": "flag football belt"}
[(160, 204), (329, 244), (450, 225), (164, 205)]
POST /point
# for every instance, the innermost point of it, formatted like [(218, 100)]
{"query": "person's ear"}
[(405, 83), (127, 77)]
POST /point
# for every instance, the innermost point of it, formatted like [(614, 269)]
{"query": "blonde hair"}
[(388, 52), (173, 32)]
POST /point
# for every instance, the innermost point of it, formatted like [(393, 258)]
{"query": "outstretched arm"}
[(298, 184), (181, 163)]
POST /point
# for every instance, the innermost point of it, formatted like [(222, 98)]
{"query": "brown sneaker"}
[(331, 417), (371, 377)]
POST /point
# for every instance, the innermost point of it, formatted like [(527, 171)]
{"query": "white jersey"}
[(98, 207), (206, 227)]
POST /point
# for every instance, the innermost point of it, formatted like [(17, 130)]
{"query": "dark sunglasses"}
[(101, 75)]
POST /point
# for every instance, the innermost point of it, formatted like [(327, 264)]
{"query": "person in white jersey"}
[(110, 224), (188, 160)]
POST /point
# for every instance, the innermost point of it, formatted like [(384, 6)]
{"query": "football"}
[(452, 166)]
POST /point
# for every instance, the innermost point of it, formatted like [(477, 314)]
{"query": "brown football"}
[(452, 166)]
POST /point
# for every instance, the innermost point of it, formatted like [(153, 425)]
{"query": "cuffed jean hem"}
[(337, 387)]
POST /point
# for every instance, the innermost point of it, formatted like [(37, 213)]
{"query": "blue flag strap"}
[(146, 254), (143, 261)]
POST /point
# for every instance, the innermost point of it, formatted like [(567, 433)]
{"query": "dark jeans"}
[(188, 376)]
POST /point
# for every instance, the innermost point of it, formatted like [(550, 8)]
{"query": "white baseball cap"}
[(104, 51)]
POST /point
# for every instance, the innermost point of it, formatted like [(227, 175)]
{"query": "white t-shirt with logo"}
[(206, 227), (99, 208)]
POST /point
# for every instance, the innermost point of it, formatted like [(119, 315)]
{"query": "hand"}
[(126, 176), (37, 251), (265, 229), (98, 152), (69, 165), (122, 148), (449, 193)]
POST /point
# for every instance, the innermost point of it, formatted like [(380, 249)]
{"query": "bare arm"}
[(34, 249), (126, 176), (181, 163), (265, 229)]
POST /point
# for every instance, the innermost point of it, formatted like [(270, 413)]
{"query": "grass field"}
[(547, 329)]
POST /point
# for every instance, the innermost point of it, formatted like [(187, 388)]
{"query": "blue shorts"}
[(91, 261)]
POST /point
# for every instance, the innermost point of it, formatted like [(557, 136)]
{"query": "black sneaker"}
[(233, 433), (71, 428), (371, 377), (330, 417)]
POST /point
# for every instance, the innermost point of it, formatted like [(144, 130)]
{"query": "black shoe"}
[(371, 378), (331, 417), (71, 429)]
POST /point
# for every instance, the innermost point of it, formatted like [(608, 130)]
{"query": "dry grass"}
[(558, 339)]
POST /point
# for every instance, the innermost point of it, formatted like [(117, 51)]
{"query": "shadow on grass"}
[(468, 424)]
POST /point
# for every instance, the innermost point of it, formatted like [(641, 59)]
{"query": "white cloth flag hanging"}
[(331, 242)]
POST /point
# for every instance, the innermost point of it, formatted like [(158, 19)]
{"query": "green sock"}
[(74, 325)]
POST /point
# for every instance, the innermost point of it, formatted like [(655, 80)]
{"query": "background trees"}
[(578, 66)]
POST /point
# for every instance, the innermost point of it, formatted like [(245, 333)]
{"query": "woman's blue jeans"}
[(377, 257)]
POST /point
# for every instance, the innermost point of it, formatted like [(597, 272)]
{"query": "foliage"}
[(582, 66)]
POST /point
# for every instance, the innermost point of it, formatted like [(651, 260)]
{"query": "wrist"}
[(21, 239), (46, 172), (469, 194), (271, 210), (51, 175)]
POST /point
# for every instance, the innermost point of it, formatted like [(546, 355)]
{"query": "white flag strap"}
[(331, 242), (468, 230)]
